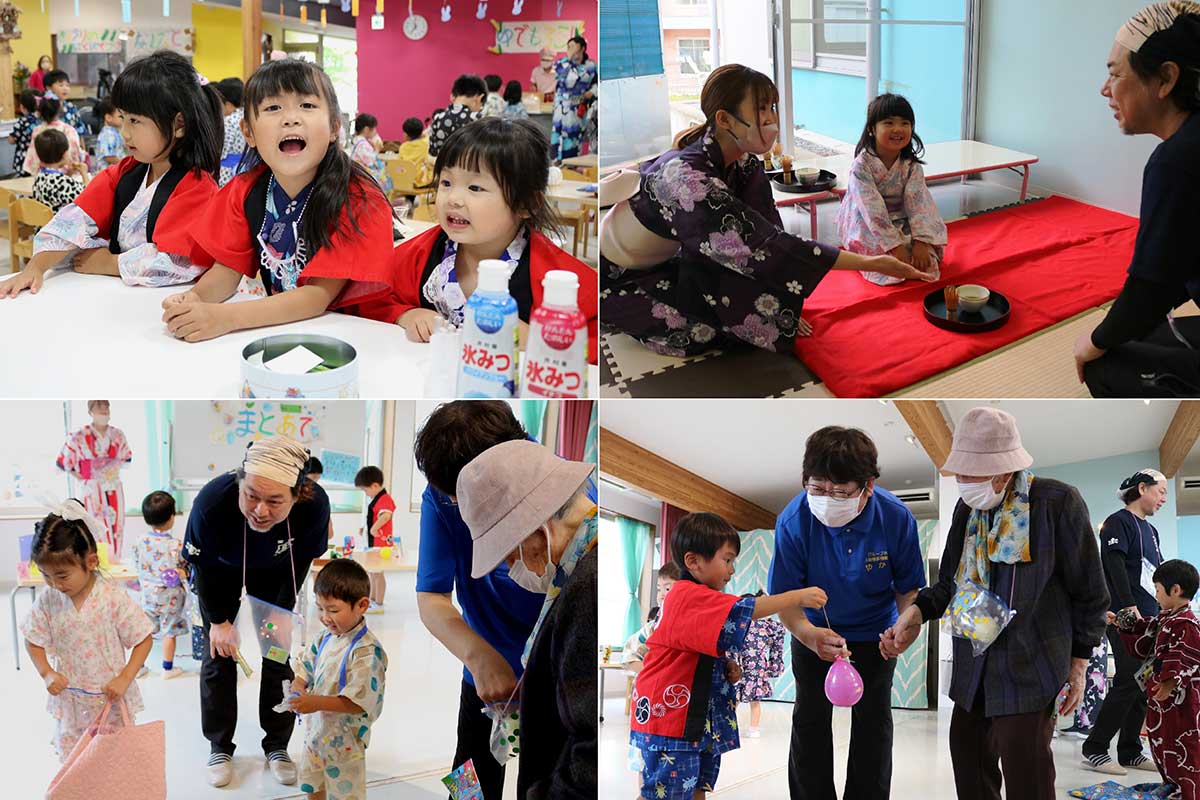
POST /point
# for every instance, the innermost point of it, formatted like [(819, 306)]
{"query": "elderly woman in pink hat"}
[(529, 509), (1029, 543)]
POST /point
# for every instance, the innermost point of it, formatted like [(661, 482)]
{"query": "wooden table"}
[(19, 186), (117, 571), (604, 667), (570, 192)]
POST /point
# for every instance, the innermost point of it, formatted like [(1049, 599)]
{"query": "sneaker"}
[(143, 672), (173, 672), (220, 769), (282, 767), (1102, 762), (753, 733), (374, 608), (1141, 762)]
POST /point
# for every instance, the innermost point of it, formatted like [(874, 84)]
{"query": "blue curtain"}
[(635, 541), (630, 39), (532, 415)]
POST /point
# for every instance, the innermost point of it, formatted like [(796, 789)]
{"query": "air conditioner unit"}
[(921, 502), (1187, 501)]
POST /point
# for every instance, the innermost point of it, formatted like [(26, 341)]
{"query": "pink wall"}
[(399, 78)]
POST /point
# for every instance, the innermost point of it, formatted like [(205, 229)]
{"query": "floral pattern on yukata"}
[(88, 646), (886, 208), (761, 658), (86, 451), (1094, 688), (574, 80), (164, 599), (233, 145), (739, 276), (75, 150), (333, 739), (442, 289), (362, 151), (23, 137), (108, 144), (140, 261)]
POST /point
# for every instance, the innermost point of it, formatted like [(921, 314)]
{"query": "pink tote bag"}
[(112, 762)]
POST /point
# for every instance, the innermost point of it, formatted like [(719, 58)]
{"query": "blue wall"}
[(1189, 539), (1097, 481), (923, 63)]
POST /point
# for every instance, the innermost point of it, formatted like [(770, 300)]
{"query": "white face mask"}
[(529, 580), (832, 512), (981, 496), (100, 419), (759, 139)]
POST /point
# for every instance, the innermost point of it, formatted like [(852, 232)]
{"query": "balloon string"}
[(829, 626)]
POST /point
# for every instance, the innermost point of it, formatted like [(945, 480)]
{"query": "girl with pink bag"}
[(78, 632)]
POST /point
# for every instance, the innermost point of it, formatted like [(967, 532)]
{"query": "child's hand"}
[(1165, 689), (901, 253), (96, 261), (803, 327), (814, 597), (180, 298), (116, 688), (56, 682), (304, 703), (196, 321), (922, 256), (1110, 618), (896, 268), (419, 323), (27, 278), (733, 671)]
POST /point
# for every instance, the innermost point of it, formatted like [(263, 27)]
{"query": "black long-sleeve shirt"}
[(1059, 596)]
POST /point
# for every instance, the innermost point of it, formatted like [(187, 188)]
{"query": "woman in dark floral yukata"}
[(694, 255)]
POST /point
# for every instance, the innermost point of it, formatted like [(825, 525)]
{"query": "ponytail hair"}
[(340, 182), (57, 540), (48, 109), (163, 86), (725, 89)]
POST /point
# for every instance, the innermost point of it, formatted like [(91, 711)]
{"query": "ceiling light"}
[(910, 439)]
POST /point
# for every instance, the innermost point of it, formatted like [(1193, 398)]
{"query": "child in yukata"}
[(634, 651), (79, 631), (761, 659), (339, 687), (685, 663), (1172, 641), (159, 560), (887, 207)]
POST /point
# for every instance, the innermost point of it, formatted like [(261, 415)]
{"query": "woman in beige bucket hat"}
[(530, 509), (1030, 542)]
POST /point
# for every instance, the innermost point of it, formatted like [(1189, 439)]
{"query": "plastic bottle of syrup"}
[(487, 363), (556, 357)]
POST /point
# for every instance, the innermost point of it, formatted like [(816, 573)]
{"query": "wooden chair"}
[(25, 216), (579, 220), (6, 200), (425, 213), (590, 174), (406, 180)]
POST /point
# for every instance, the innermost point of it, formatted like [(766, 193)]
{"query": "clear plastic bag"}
[(288, 694), (275, 629), (505, 739), (977, 615)]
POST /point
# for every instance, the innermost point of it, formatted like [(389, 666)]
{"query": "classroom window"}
[(840, 39), (695, 57), (614, 595), (630, 38)]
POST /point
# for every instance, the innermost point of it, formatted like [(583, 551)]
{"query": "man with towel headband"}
[(259, 526), (1153, 86)]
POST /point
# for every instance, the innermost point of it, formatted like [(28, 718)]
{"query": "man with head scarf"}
[(254, 530), (1130, 548), (1153, 86), (531, 510), (1025, 543)]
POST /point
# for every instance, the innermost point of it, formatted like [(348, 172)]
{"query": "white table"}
[(942, 160), (91, 335)]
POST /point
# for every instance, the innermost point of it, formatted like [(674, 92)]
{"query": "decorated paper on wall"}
[(250, 420), (530, 36), (339, 467), (107, 40), (178, 40)]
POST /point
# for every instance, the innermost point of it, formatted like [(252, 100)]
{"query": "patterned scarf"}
[(581, 545), (999, 535)]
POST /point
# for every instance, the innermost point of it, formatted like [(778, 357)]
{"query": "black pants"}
[(218, 676), (1157, 366), (1123, 710), (1013, 749), (810, 761), (474, 735)]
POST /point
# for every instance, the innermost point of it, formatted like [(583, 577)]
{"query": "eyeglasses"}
[(829, 490)]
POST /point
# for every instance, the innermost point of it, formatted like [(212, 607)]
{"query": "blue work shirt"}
[(493, 606), (861, 566)]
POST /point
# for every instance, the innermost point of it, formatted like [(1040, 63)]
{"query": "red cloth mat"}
[(1052, 259)]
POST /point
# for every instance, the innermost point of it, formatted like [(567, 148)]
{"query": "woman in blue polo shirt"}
[(497, 616), (859, 543)]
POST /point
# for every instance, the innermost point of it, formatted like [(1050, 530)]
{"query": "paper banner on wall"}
[(339, 467), (107, 40), (526, 36), (177, 40), (249, 421)]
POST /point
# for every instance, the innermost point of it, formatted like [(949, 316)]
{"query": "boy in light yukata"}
[(339, 687), (1171, 641), (684, 702), (887, 208)]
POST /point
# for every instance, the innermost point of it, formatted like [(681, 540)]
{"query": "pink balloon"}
[(843, 684)]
